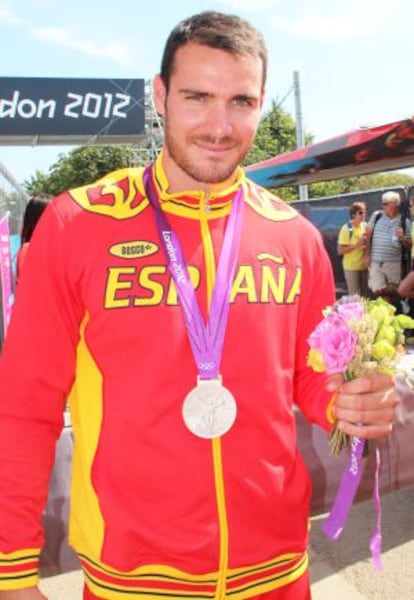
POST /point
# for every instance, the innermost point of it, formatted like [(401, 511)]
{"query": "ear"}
[(160, 94), (262, 98)]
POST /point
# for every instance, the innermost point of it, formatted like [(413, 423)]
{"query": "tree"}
[(360, 183), (82, 165), (381, 180), (276, 135)]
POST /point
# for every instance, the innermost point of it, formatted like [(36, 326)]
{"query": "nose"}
[(219, 120)]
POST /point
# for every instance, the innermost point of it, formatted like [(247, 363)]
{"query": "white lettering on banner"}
[(26, 108), (89, 105)]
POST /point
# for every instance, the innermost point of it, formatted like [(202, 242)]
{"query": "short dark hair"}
[(32, 214), (216, 30), (356, 207)]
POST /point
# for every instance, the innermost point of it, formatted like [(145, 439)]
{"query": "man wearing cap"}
[(387, 234)]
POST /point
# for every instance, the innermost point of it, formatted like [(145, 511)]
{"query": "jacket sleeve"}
[(317, 292), (36, 373)]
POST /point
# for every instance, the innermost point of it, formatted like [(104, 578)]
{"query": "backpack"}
[(350, 230), (378, 215)]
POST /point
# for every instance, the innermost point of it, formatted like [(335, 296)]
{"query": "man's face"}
[(211, 113), (390, 207)]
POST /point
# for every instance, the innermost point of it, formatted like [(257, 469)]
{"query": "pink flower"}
[(350, 310), (335, 341)]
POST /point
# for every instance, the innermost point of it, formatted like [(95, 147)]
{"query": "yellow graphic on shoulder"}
[(266, 256), (268, 205), (134, 249), (119, 195)]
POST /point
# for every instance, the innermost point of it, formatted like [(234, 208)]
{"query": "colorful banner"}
[(359, 152), (5, 272)]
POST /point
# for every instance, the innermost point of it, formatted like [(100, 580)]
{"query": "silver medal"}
[(210, 409)]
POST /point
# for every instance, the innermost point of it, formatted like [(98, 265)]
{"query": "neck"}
[(180, 181)]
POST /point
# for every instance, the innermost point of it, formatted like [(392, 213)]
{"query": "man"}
[(406, 287), (387, 240), (186, 478)]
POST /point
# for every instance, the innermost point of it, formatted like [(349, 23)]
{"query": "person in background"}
[(387, 234), (411, 207), (352, 246), (187, 482), (406, 287), (33, 211)]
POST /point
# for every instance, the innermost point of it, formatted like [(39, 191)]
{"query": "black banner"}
[(55, 110)]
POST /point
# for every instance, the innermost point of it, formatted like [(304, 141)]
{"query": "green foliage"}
[(82, 165), (381, 180), (359, 184), (276, 135), (38, 183), (328, 188)]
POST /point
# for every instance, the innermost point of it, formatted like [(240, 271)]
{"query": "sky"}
[(353, 56)]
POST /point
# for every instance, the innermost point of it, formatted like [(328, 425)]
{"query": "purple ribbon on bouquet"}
[(351, 478)]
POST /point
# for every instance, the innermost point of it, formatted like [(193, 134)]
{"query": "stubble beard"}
[(214, 171)]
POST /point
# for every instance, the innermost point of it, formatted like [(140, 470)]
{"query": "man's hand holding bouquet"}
[(359, 343)]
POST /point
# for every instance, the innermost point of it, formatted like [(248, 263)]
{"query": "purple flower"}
[(350, 310), (335, 341)]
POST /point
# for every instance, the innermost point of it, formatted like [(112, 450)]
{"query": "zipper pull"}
[(207, 202)]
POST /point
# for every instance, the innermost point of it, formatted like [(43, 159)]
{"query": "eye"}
[(195, 97), (243, 101)]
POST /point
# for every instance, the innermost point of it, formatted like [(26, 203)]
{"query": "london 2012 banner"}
[(47, 110), (5, 276)]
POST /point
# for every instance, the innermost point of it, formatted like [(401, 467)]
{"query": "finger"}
[(367, 432), (368, 383), (366, 417), (370, 401), (334, 382)]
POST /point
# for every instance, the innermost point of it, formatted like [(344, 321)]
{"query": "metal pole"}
[(300, 134)]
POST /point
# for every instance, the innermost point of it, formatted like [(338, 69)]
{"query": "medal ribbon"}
[(206, 339)]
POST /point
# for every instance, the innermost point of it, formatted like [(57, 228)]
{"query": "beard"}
[(212, 170)]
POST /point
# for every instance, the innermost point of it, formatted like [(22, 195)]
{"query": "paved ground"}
[(340, 570), (349, 557)]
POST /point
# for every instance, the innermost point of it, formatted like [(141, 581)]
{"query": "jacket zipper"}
[(216, 446)]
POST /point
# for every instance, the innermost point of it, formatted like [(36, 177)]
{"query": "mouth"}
[(214, 147)]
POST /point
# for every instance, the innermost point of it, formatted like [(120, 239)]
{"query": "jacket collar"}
[(218, 197)]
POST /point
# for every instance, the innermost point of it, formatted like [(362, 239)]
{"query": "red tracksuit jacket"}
[(155, 509)]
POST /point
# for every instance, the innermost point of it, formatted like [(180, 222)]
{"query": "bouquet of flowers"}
[(356, 337)]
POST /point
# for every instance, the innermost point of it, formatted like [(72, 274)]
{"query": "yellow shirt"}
[(353, 260)]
